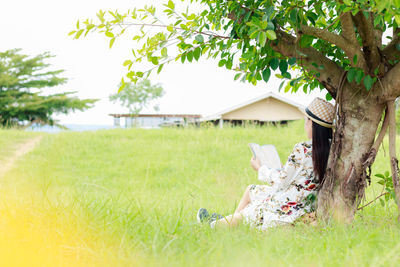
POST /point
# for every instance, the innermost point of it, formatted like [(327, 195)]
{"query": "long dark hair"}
[(321, 143)]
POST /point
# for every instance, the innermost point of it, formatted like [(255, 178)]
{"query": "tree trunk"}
[(359, 115)]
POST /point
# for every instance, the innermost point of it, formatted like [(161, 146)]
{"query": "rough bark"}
[(359, 116)]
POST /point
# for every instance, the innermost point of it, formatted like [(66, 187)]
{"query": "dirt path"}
[(21, 150)]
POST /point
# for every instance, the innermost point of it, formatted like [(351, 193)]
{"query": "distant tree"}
[(138, 96), (22, 81)]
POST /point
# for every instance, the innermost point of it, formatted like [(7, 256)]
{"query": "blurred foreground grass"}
[(129, 197)]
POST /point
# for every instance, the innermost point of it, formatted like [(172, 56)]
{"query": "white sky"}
[(94, 70)]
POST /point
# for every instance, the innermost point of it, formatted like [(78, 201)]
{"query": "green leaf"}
[(122, 86), (109, 34), (397, 19), (229, 64), (312, 17), (266, 74), (78, 34), (271, 34), (287, 87), (351, 75), (368, 82), (380, 175), (154, 60), (71, 33), (270, 26), (170, 28), (283, 66), (127, 62), (248, 55), (292, 61), (237, 76), (382, 202), (112, 42), (359, 76), (347, 2), (355, 59), (293, 16), (221, 63), (189, 56), (269, 11), (258, 76), (305, 88), (164, 52), (197, 53), (377, 19), (171, 4), (274, 63), (262, 38), (160, 68), (199, 38), (328, 97), (281, 85), (183, 57)]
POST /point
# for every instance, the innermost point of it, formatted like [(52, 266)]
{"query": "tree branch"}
[(349, 34), (351, 49), (369, 39), (390, 84), (211, 34), (348, 28), (330, 76), (372, 201), (325, 35), (382, 132)]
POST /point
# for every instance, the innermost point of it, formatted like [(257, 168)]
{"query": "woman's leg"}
[(231, 220), (236, 218), (244, 201)]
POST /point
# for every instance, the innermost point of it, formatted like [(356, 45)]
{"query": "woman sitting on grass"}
[(293, 188)]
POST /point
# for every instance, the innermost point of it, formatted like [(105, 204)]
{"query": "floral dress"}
[(290, 192)]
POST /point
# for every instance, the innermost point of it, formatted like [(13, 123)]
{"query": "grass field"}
[(129, 197)]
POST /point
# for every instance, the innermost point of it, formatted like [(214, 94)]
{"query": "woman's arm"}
[(287, 173)]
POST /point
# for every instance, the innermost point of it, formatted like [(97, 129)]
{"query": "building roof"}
[(156, 115), (254, 100)]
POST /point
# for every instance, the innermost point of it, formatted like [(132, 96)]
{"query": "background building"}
[(269, 107)]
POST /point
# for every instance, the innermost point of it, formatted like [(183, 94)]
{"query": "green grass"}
[(134, 194)]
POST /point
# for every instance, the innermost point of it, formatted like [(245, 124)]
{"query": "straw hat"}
[(321, 112)]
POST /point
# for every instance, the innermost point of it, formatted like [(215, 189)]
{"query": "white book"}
[(267, 155)]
